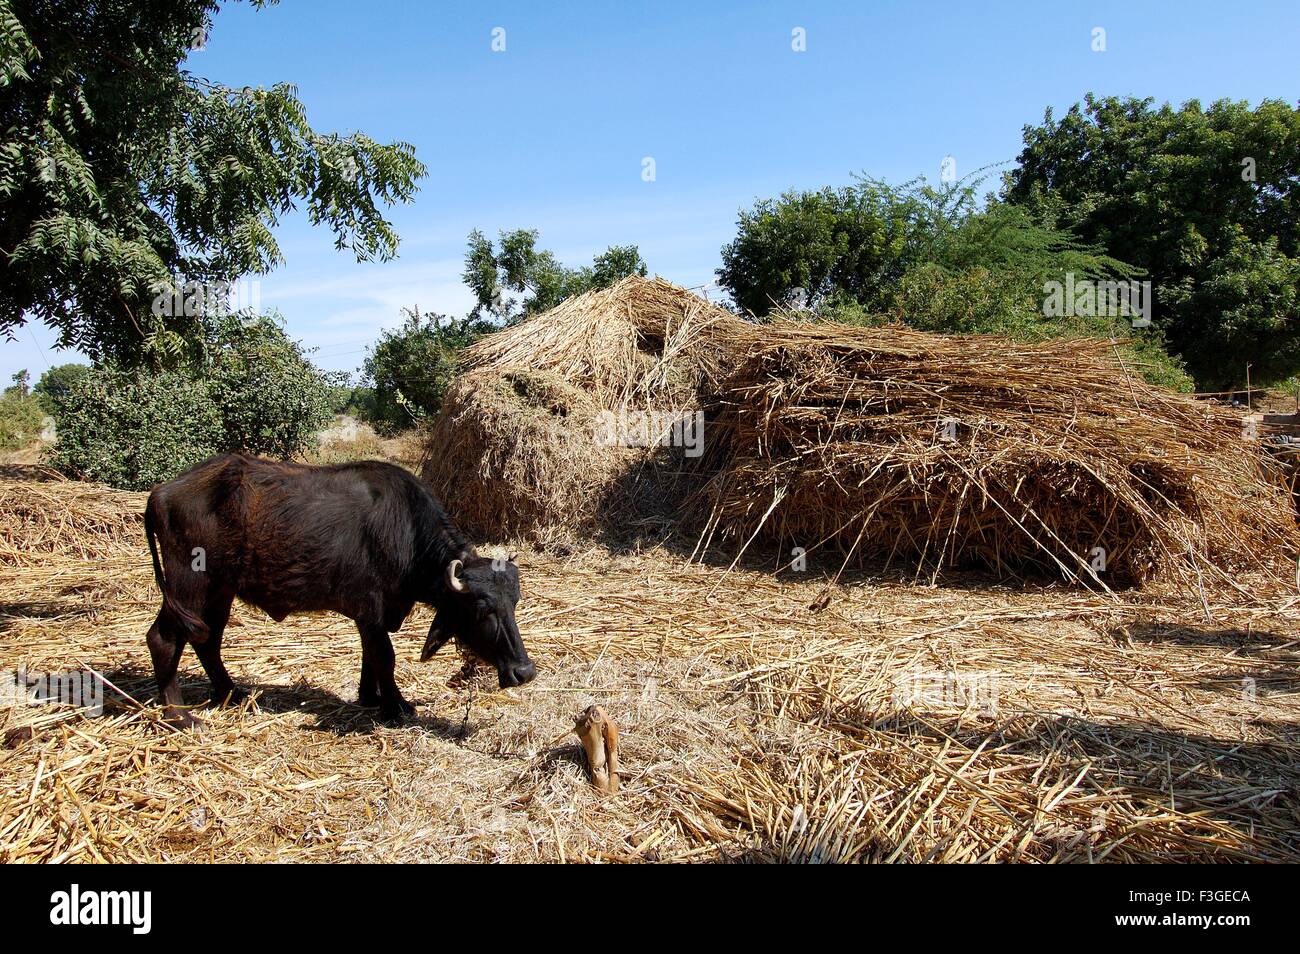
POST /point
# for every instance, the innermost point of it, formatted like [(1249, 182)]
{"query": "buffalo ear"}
[(435, 641)]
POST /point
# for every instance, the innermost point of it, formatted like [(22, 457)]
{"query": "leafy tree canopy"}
[(252, 390), (800, 249), (518, 266), (410, 368), (938, 259), (121, 172), (55, 383), (1205, 201), (859, 243)]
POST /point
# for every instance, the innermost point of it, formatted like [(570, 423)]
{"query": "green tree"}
[(121, 173), (939, 259), (271, 398), (55, 383), (411, 367), (348, 397), (804, 248), (1205, 201), (858, 243), (518, 266)]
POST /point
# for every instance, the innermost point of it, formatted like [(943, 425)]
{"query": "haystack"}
[(640, 343), (514, 455), (1046, 458), (42, 516), (520, 449), (880, 443)]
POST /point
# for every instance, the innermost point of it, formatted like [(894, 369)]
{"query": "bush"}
[(411, 367), (134, 430), (271, 399), (254, 392), (21, 416), (348, 398)]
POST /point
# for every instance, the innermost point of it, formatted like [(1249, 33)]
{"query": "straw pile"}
[(515, 455), (640, 343), (1046, 458), (873, 443), (49, 516), (516, 448), (898, 723)]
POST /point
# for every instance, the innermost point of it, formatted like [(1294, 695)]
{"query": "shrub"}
[(935, 259), (271, 399), (411, 367), (134, 430), (348, 398), (255, 391), (21, 415)]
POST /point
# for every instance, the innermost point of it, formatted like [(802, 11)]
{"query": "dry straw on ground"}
[(827, 715), (897, 722), (42, 515)]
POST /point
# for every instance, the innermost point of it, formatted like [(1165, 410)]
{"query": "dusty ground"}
[(895, 722)]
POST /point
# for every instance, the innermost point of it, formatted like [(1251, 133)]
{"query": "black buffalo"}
[(365, 539)]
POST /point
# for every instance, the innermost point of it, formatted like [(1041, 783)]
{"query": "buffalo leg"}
[(166, 643), (224, 690), (377, 654), (368, 691)]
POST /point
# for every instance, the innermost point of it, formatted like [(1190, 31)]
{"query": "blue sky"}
[(551, 133)]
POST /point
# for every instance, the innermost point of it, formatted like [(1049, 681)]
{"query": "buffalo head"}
[(478, 611)]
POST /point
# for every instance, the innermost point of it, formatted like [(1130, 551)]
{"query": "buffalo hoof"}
[(402, 713), (182, 719)]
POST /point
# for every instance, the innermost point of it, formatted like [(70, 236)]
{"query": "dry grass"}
[(939, 450), (754, 726), (515, 455), (43, 515), (350, 439)]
